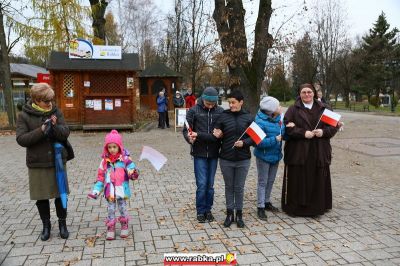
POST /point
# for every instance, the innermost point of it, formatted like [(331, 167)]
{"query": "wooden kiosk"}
[(152, 80), (96, 94)]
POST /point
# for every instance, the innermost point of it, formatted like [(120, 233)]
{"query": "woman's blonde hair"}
[(42, 91)]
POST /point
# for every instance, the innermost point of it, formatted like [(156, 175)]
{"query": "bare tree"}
[(329, 36), (345, 66), (5, 75), (245, 75), (304, 62), (177, 39), (141, 23), (201, 43)]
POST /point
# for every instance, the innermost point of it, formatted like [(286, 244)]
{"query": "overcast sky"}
[(361, 13)]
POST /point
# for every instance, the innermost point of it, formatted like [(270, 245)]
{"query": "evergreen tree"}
[(279, 87), (304, 62), (378, 52)]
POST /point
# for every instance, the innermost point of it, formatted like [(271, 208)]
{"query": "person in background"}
[(321, 97), (178, 100), (161, 109), (204, 149), (167, 106), (166, 117), (39, 126), (235, 155), (306, 189), (190, 99)]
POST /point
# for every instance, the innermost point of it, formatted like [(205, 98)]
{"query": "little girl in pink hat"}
[(113, 174)]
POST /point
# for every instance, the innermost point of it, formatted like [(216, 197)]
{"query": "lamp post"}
[(392, 103)]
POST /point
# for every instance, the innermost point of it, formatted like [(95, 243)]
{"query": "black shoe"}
[(229, 218), (270, 207), (239, 219), (261, 214), (209, 217), (45, 235), (201, 218), (64, 234)]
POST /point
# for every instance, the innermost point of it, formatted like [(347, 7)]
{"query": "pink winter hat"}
[(113, 137)]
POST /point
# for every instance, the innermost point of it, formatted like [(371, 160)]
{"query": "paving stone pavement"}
[(362, 229)]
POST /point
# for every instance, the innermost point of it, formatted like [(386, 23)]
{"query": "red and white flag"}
[(255, 133), (153, 156), (330, 118), (187, 126)]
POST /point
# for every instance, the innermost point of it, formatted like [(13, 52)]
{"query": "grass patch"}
[(364, 107), (358, 107)]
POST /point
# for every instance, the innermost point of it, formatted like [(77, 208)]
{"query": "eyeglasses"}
[(307, 92)]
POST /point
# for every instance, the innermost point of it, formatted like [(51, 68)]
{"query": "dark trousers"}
[(234, 174), (161, 119), (166, 118), (44, 209)]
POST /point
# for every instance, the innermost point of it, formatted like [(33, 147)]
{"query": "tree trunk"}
[(98, 8), (178, 13), (5, 75), (245, 75)]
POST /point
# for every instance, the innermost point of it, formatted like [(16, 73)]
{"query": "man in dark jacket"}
[(204, 148)]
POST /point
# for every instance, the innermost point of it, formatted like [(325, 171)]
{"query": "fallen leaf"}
[(143, 254)]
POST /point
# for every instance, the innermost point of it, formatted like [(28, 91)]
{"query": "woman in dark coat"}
[(39, 125), (235, 155), (306, 189)]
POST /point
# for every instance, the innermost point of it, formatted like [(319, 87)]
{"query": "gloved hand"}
[(134, 174), (47, 127), (93, 195)]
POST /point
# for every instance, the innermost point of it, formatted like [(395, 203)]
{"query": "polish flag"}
[(187, 126), (330, 118), (153, 156), (255, 133)]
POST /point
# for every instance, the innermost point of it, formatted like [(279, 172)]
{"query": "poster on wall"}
[(108, 104), (89, 104), (86, 84), (97, 105), (129, 82), (180, 116), (117, 102)]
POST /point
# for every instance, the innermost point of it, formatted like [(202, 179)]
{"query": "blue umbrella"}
[(61, 175)]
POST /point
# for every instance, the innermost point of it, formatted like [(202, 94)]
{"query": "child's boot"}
[(110, 229), (124, 226)]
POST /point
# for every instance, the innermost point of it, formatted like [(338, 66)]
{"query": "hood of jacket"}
[(264, 116)]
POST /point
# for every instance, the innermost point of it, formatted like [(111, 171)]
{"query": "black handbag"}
[(70, 151)]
